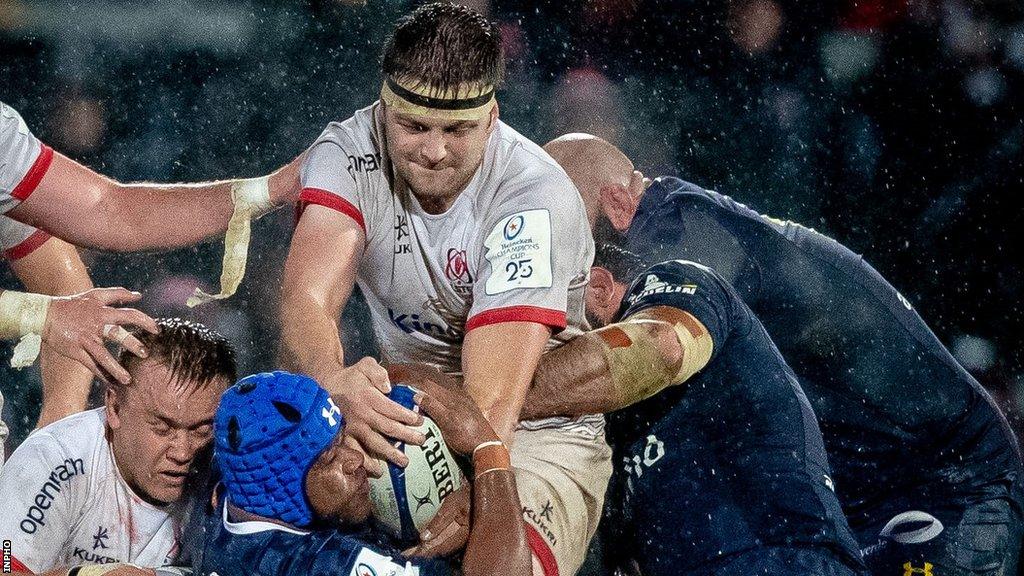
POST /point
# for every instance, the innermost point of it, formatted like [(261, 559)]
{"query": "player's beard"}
[(605, 233)]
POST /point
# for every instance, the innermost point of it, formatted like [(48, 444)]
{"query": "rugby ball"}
[(405, 500)]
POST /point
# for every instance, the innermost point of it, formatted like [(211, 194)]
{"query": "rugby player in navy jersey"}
[(909, 433), (295, 500), (723, 469)]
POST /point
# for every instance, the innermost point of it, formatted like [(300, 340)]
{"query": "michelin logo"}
[(654, 285)]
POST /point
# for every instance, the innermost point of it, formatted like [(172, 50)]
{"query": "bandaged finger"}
[(115, 333)]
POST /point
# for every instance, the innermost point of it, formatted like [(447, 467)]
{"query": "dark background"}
[(895, 126)]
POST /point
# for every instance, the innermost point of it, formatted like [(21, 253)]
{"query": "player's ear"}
[(637, 186), (618, 205), (601, 290), (492, 118), (112, 406)]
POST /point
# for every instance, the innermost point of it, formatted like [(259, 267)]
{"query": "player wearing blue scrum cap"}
[(295, 499)]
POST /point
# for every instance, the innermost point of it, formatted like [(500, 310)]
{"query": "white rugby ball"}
[(405, 500)]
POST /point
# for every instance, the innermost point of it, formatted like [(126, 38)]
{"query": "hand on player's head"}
[(460, 420), (76, 327), (160, 422), (372, 419)]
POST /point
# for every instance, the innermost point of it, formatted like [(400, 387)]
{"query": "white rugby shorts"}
[(562, 475)]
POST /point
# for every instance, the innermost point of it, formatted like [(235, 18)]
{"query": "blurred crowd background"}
[(896, 126)]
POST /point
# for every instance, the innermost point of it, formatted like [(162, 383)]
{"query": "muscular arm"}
[(497, 542), (93, 211), (318, 279), (54, 268), (498, 362), (619, 365)]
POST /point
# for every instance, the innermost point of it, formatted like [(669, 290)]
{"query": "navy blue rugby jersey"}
[(899, 415), (729, 461)]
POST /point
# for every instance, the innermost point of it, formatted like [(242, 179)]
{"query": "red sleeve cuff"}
[(35, 174), (333, 201), (17, 566), (26, 246), (553, 318)]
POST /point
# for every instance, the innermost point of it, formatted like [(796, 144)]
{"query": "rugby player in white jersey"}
[(472, 249), (103, 487), (48, 190), (48, 265)]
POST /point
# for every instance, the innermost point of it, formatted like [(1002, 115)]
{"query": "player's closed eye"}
[(415, 128), (160, 428)]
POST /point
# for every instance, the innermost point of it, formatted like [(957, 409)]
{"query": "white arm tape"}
[(23, 314), (251, 198)]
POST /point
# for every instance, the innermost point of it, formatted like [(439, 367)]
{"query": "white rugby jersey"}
[(65, 503), (514, 246), (24, 160)]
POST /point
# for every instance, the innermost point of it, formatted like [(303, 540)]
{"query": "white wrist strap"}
[(251, 198), (23, 314), (252, 194)]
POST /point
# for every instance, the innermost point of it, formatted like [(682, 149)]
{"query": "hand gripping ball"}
[(405, 500)]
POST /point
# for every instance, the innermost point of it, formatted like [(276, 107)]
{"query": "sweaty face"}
[(157, 425), (337, 487), (436, 157)]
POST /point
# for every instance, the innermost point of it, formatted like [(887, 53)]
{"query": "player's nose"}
[(181, 449), (434, 149)]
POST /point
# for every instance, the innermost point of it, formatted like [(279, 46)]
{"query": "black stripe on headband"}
[(439, 103)]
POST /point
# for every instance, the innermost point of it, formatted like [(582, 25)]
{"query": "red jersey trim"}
[(541, 551), (31, 180), (26, 246), (17, 566), (332, 201), (554, 318)]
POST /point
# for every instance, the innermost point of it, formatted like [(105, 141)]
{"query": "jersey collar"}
[(254, 526)]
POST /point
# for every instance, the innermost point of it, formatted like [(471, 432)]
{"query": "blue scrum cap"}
[(268, 431)]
